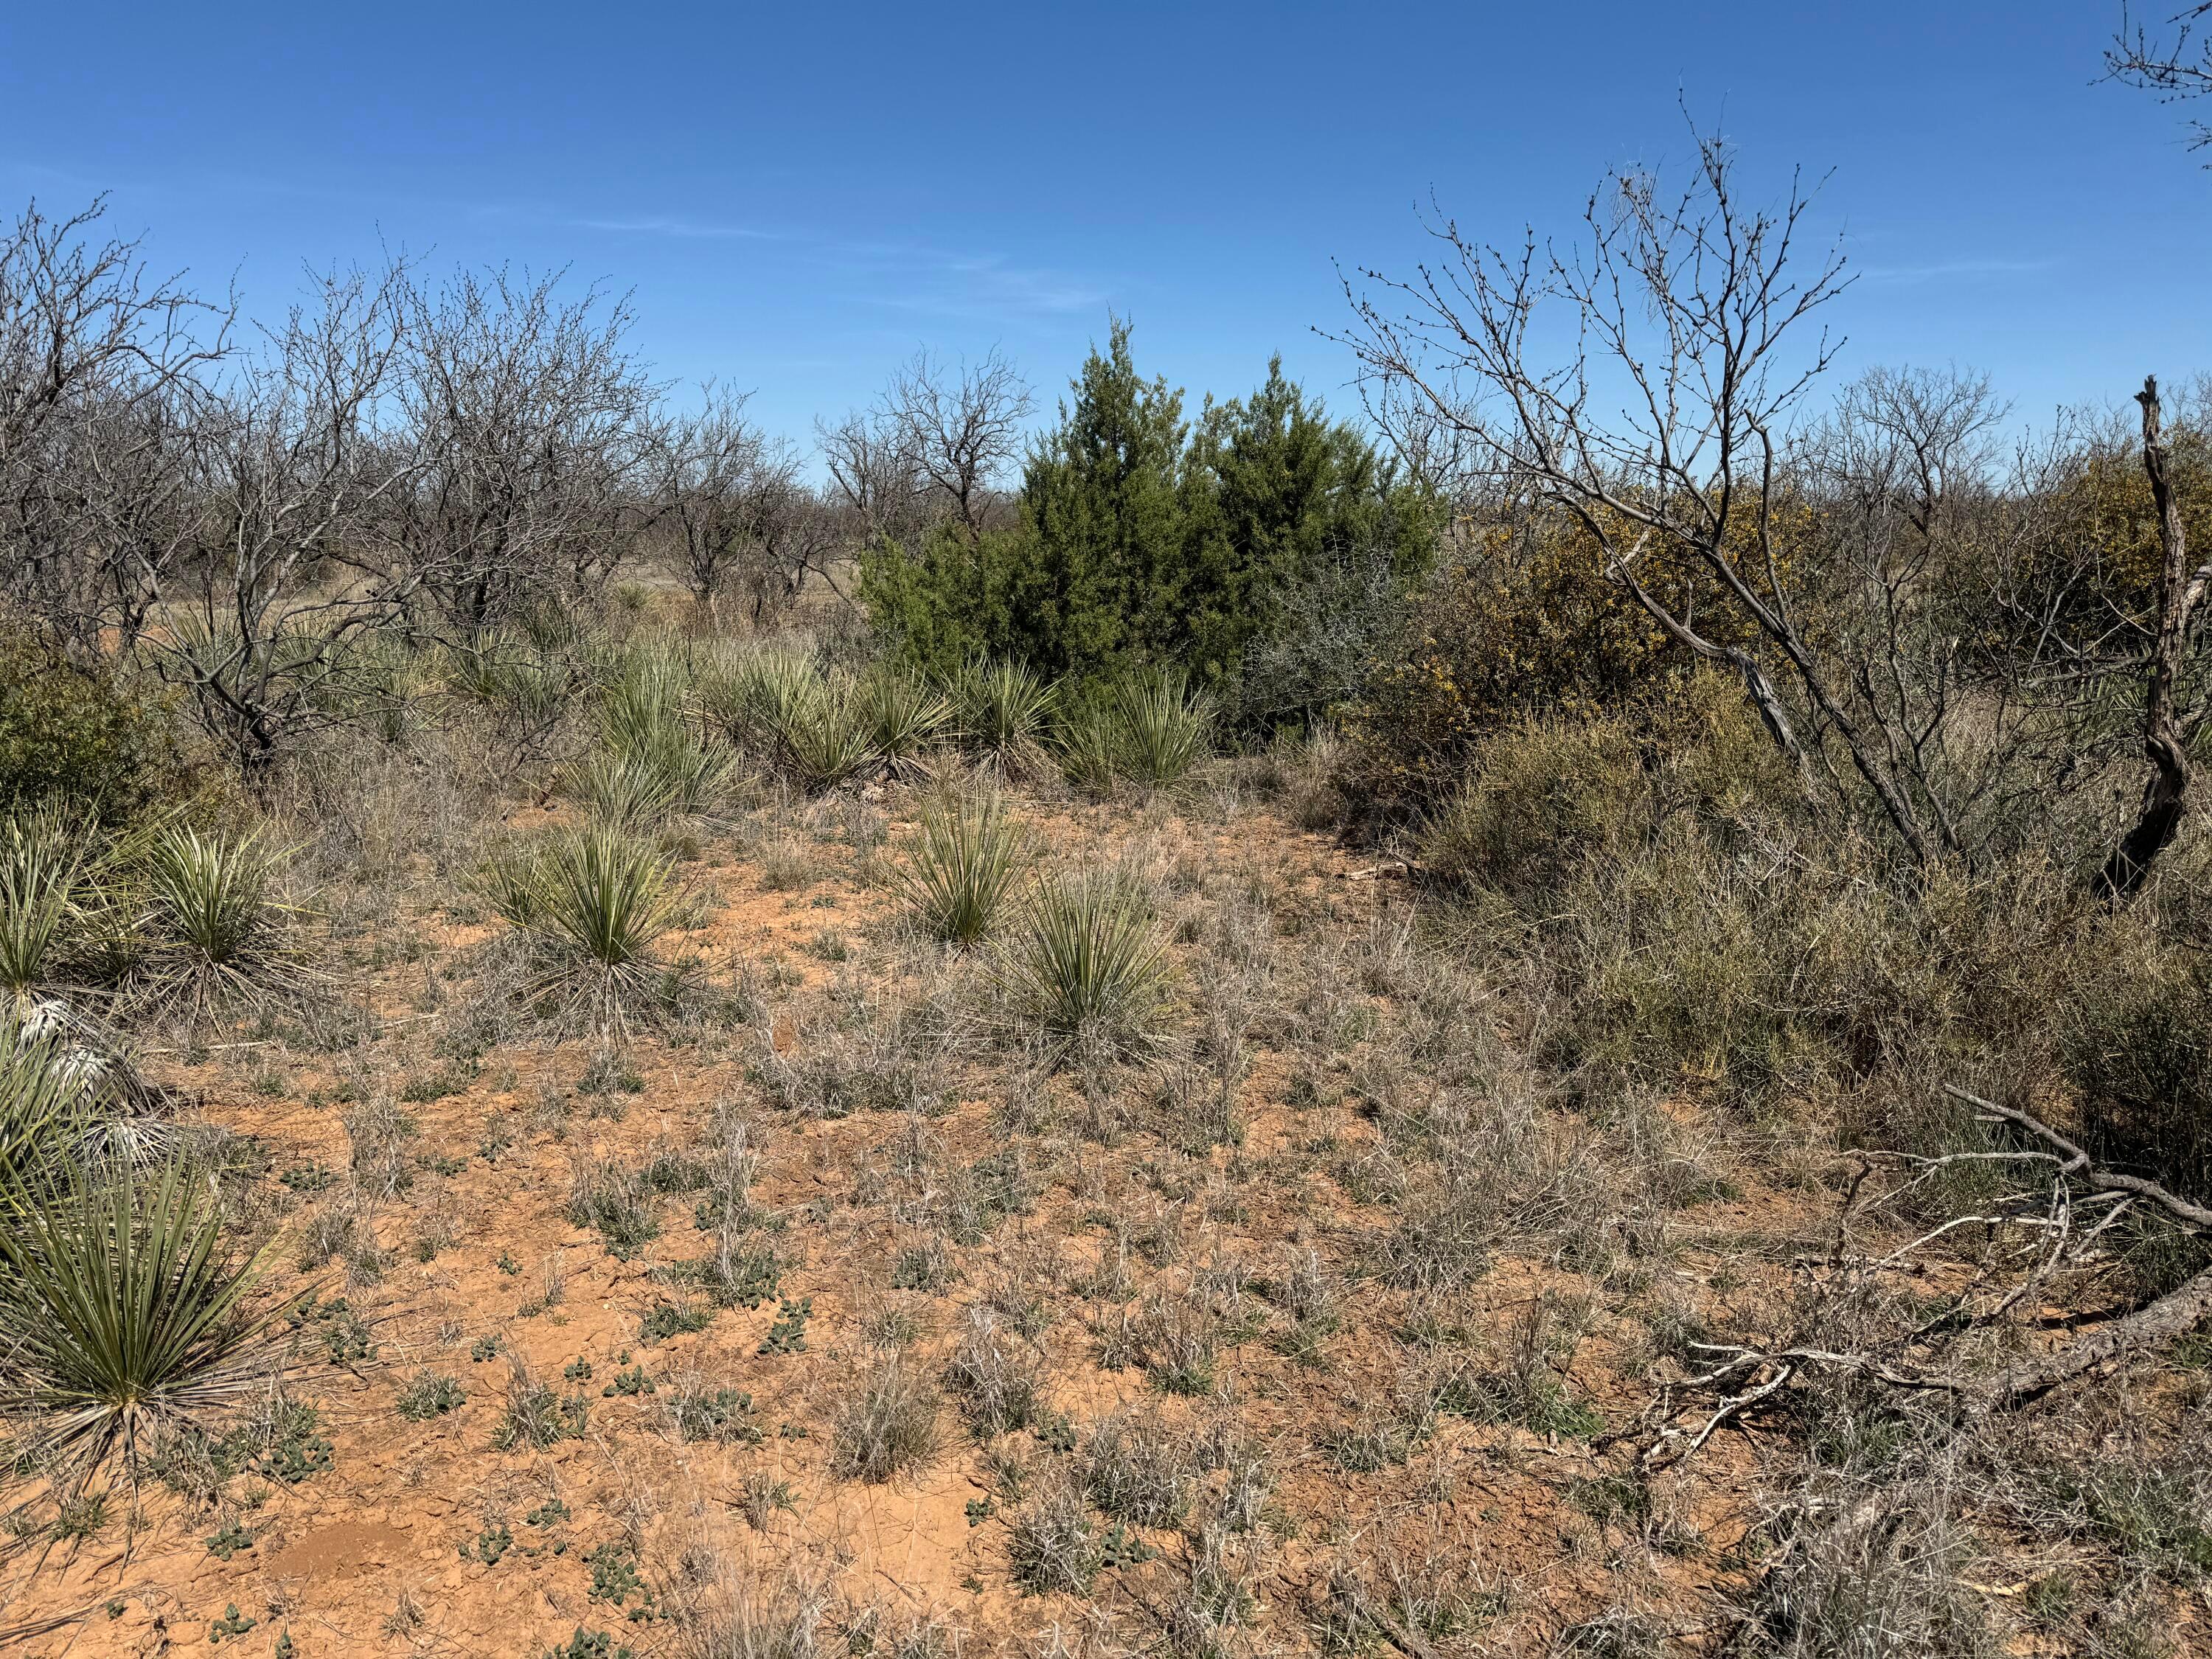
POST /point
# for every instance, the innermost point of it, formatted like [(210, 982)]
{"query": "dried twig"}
[(1745, 1377)]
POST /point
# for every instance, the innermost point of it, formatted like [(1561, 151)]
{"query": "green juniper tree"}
[(1143, 538)]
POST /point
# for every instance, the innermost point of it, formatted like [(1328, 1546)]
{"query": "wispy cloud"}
[(904, 277), (683, 229), (953, 285), (1937, 270)]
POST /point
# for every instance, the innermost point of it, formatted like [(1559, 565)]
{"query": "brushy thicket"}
[(76, 732), (1696, 927)]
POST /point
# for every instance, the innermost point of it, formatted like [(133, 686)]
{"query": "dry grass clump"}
[(887, 1427), (993, 1376), (1133, 1469), (876, 1059), (1054, 1546)]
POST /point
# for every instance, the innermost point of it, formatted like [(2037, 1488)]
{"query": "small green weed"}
[(430, 1394), (788, 1334)]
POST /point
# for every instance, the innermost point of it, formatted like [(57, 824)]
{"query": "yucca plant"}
[(629, 792), (1087, 743), (122, 1312), (906, 718), (754, 695), (48, 1093), (829, 738), (1163, 727), (506, 671), (593, 903), (378, 679), (652, 765), (1089, 967), (213, 931), (1146, 726), (963, 866), (646, 698), (1004, 712), (42, 860)]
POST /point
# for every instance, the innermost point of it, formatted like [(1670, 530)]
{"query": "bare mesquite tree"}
[(737, 512), (963, 427), (529, 416), (1648, 385), (101, 366), (875, 476), (2176, 63), (288, 574), (1662, 427), (2167, 732), (804, 538), (1899, 478), (935, 447), (708, 488)]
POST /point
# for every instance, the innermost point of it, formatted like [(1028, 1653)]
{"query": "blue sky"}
[(798, 197)]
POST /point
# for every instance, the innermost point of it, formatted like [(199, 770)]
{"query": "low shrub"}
[(75, 735)]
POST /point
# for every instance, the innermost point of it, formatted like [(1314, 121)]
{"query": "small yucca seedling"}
[(214, 930), (122, 1312), (595, 902), (1089, 967), (963, 865), (42, 860)]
